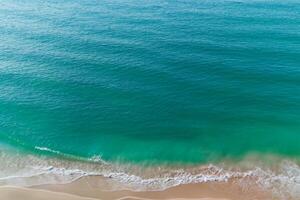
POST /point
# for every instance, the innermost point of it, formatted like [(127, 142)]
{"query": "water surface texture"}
[(192, 81)]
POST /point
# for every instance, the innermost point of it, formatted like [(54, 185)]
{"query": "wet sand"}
[(96, 187), (14, 193)]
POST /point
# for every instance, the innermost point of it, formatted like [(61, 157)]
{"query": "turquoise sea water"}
[(151, 81)]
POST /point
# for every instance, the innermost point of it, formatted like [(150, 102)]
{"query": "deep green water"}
[(190, 81)]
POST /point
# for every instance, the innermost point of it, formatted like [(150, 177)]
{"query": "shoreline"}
[(18, 193), (90, 188), (94, 187), (255, 177)]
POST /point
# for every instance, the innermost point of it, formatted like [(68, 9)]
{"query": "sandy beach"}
[(94, 187), (9, 193)]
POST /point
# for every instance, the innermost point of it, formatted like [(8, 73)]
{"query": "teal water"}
[(151, 81)]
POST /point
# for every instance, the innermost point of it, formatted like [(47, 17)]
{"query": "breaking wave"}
[(22, 169)]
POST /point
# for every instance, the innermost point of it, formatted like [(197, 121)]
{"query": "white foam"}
[(285, 183), (47, 150), (29, 170)]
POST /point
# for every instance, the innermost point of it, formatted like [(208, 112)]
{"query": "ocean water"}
[(191, 82)]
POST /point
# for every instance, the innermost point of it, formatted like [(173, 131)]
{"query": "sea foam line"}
[(47, 150), (284, 182)]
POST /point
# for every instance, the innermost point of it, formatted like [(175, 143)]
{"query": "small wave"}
[(95, 158), (47, 150)]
